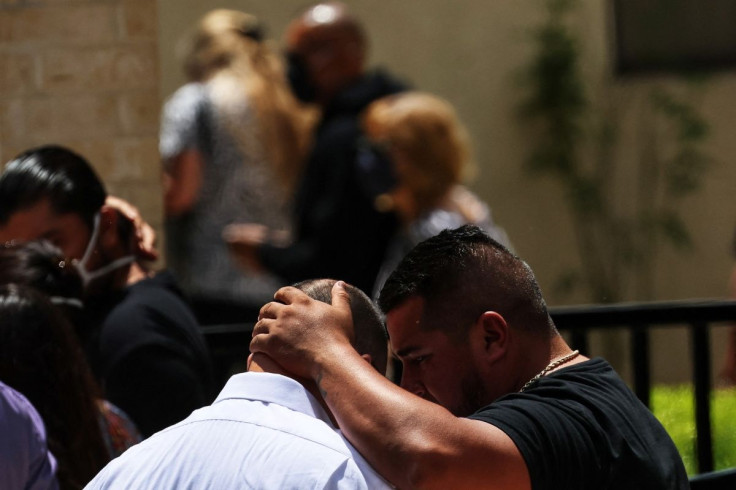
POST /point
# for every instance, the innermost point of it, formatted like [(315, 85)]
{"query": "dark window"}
[(674, 35)]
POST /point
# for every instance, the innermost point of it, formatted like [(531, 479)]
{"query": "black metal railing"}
[(229, 345)]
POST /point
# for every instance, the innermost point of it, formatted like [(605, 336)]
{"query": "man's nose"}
[(411, 383)]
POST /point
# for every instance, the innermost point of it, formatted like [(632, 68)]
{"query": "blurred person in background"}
[(415, 153), (42, 266), (233, 141), (334, 220), (145, 347), (25, 459), (40, 357)]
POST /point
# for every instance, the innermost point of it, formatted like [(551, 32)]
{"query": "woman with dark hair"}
[(40, 357), (42, 266)]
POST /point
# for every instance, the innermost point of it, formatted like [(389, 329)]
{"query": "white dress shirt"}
[(264, 431)]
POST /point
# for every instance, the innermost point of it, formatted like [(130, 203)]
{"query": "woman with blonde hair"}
[(232, 141), (414, 158)]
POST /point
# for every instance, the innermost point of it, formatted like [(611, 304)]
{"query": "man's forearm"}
[(391, 427)]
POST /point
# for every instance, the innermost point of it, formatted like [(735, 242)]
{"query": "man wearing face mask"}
[(143, 343), (335, 218)]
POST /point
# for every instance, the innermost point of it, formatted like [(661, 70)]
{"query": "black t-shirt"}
[(581, 428)]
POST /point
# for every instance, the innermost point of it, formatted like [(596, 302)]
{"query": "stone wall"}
[(85, 74)]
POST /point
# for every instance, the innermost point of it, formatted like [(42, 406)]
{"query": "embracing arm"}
[(410, 441)]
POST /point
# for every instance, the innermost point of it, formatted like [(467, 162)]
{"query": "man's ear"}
[(368, 358), (494, 330), (108, 238)]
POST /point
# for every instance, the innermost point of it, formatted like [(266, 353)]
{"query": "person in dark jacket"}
[(338, 232), (143, 342)]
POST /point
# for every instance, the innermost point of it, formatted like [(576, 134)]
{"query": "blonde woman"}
[(414, 159), (232, 142)]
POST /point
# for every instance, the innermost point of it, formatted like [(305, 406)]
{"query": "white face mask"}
[(62, 300), (81, 264)]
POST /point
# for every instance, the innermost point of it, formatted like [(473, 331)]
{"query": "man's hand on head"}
[(299, 332)]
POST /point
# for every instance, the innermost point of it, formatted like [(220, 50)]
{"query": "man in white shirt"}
[(265, 429)]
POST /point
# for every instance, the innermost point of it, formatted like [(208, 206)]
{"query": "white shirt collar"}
[(273, 388)]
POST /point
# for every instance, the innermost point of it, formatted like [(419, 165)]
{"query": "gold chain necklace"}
[(556, 363)]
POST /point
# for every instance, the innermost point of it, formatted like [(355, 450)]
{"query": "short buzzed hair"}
[(463, 273), (370, 333)]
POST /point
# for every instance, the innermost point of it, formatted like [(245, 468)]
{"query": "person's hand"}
[(145, 236), (245, 233), (243, 240), (299, 332)]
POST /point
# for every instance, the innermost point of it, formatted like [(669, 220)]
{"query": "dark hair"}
[(462, 273), (39, 357), (55, 173), (42, 266), (370, 334)]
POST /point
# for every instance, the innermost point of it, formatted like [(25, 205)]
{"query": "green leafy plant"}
[(577, 142)]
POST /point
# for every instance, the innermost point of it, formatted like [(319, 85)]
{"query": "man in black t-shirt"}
[(502, 401)]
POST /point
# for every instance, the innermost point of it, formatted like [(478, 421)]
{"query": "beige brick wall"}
[(85, 74)]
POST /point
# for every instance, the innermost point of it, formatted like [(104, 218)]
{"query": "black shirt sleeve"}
[(559, 451)]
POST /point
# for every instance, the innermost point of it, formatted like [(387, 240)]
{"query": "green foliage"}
[(558, 94), (674, 407), (684, 171), (575, 142), (673, 228)]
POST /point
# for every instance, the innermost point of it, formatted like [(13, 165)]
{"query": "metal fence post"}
[(701, 375)]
